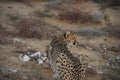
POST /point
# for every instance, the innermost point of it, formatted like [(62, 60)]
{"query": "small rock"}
[(89, 48), (24, 58), (40, 61), (37, 54), (89, 66), (100, 72), (118, 58), (44, 58), (13, 70), (16, 40)]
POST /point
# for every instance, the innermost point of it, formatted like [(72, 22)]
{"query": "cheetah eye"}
[(74, 43)]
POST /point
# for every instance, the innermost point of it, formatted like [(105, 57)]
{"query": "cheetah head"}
[(70, 38)]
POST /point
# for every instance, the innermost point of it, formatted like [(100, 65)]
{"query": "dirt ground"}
[(96, 52)]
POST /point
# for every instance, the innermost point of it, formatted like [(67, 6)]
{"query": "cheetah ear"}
[(66, 34)]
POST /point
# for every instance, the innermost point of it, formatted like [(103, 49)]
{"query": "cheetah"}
[(64, 65)]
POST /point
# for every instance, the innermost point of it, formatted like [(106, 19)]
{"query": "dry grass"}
[(34, 28), (53, 5), (91, 74), (113, 31), (112, 74), (24, 0), (2, 34), (75, 16), (57, 4), (13, 17), (108, 2), (6, 73), (85, 12), (110, 31), (91, 32), (77, 11), (44, 13)]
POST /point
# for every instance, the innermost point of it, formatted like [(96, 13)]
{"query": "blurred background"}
[(28, 26)]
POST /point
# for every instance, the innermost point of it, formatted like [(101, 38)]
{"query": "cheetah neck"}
[(59, 43)]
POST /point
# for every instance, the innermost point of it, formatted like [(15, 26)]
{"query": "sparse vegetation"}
[(112, 74), (2, 34), (23, 0), (7, 73), (75, 16), (80, 16), (80, 13), (106, 18), (97, 16), (113, 30), (113, 69), (53, 4), (91, 32), (34, 28), (45, 13), (13, 17)]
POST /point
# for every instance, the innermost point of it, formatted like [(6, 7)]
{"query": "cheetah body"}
[(64, 65)]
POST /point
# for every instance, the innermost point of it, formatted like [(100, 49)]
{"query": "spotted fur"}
[(65, 66)]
